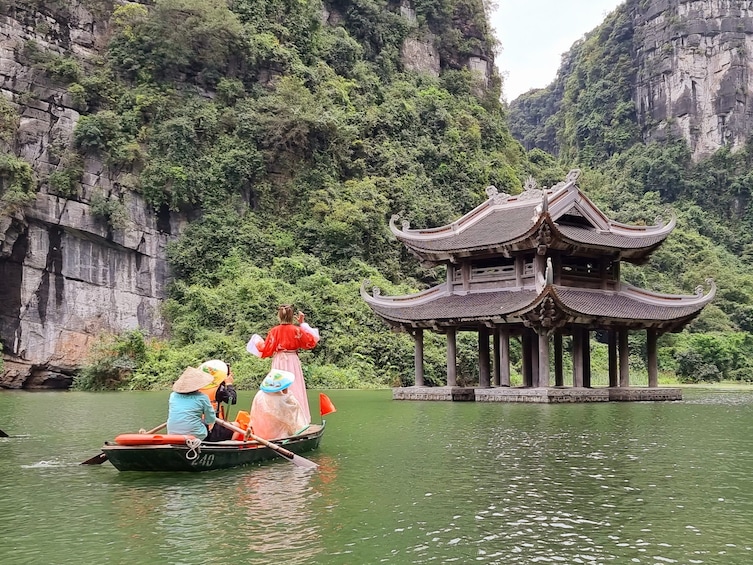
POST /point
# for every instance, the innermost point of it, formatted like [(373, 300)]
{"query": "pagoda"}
[(537, 266)]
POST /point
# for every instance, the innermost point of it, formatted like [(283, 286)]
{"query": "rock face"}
[(694, 71), (66, 276), (691, 76)]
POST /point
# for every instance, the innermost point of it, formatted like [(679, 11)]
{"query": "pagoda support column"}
[(418, 355), (652, 360), (612, 349), (586, 358), (577, 358), (495, 357), (452, 347), (543, 358), (526, 362), (534, 355), (558, 375), (624, 358), (484, 380), (504, 357)]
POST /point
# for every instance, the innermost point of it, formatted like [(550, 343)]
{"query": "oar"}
[(3, 434), (101, 457), (281, 451)]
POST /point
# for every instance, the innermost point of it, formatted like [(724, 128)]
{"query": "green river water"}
[(398, 482)]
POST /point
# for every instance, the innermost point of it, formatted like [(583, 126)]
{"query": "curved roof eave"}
[(525, 206), (626, 305), (657, 229), (437, 306)]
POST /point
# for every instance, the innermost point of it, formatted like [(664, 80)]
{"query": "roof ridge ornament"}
[(531, 190), (546, 317), (699, 289), (493, 193), (659, 220), (543, 238), (405, 224), (572, 176), (375, 290)]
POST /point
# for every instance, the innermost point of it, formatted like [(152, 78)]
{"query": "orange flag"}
[(325, 405)]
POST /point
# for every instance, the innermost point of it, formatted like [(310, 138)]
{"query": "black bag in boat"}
[(219, 433), (226, 393)]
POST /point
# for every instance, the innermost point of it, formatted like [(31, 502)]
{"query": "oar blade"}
[(281, 451), (3, 434), (303, 462), (96, 460)]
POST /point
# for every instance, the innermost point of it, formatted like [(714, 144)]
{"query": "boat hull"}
[(207, 456)]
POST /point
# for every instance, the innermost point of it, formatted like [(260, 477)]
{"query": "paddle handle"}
[(154, 430), (261, 440), (281, 450)]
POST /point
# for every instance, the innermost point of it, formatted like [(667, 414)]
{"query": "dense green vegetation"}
[(295, 142), (292, 142)]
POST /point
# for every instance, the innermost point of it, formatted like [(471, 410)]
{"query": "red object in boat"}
[(152, 439)]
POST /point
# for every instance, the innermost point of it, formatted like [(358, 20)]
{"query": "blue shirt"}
[(185, 411)]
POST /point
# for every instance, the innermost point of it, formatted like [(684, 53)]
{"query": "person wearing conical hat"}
[(275, 411), (189, 411)]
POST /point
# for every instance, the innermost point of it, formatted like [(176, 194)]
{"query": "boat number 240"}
[(205, 460)]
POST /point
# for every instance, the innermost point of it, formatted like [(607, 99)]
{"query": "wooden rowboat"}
[(194, 456)]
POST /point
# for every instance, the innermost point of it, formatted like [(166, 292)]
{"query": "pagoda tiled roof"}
[(505, 221), (628, 305), (610, 239), (631, 303), (488, 231), (438, 304)]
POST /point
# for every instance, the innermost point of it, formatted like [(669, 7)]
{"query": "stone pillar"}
[(452, 347), (504, 357), (484, 380), (418, 355), (586, 358), (533, 341), (577, 358), (525, 361), (495, 356), (558, 375), (624, 358), (652, 361), (612, 349), (543, 378)]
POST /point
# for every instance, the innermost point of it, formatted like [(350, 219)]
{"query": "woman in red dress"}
[(282, 344)]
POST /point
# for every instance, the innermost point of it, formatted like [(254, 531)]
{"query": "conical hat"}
[(277, 380), (217, 368), (192, 380)]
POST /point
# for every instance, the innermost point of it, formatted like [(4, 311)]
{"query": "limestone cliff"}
[(67, 272), (694, 71), (689, 76)]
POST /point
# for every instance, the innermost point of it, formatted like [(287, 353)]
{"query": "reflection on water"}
[(398, 482)]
